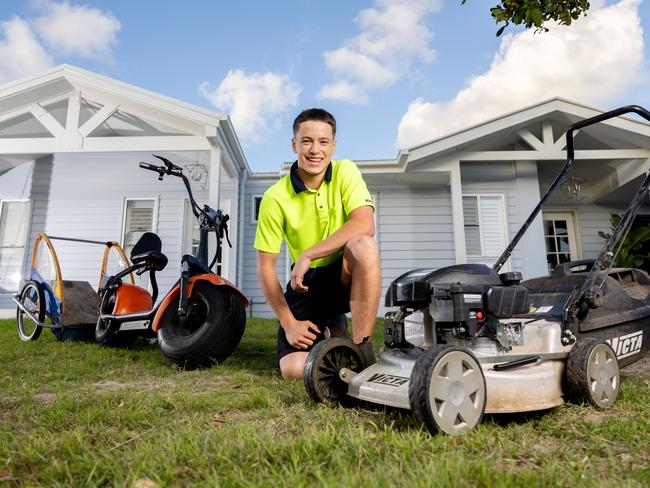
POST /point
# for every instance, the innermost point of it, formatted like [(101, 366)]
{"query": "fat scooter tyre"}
[(212, 331), (592, 373), (322, 366), (32, 291), (447, 391)]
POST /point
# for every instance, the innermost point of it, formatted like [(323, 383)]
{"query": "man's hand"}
[(301, 333), (298, 273)]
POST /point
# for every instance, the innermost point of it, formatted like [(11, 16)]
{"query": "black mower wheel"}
[(106, 329), (447, 390), (212, 331), (321, 374), (592, 373), (33, 299)]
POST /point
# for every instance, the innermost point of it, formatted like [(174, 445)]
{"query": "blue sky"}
[(395, 73)]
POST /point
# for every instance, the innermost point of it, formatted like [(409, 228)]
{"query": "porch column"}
[(455, 186), (214, 182), (531, 248)]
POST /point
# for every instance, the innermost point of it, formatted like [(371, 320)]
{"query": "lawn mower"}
[(467, 340), (201, 319)]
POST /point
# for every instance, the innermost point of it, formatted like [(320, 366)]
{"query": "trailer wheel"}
[(33, 299), (592, 373), (212, 331), (321, 374), (447, 390)]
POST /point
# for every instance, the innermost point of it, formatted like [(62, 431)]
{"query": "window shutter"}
[(138, 219), (492, 225), (472, 232)]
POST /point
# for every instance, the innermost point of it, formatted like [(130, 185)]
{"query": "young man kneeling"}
[(324, 212)]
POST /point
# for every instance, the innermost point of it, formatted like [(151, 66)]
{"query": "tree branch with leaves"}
[(536, 13)]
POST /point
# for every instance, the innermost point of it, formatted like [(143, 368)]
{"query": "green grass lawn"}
[(75, 414)]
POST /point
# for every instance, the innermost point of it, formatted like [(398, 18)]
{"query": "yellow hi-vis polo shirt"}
[(304, 217)]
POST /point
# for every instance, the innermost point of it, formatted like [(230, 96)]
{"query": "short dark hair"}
[(319, 114)]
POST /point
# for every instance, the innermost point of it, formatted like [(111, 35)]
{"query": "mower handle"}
[(567, 164)]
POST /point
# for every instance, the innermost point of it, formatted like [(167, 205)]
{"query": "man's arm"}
[(300, 333), (361, 223)]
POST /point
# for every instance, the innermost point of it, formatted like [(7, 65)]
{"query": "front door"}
[(560, 237)]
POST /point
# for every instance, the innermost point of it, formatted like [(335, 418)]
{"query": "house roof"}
[(630, 132), (119, 109)]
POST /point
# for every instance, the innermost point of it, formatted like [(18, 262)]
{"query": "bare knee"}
[(292, 365), (363, 250)]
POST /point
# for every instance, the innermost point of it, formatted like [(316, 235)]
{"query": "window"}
[(139, 217), (14, 222), (560, 238), (257, 200), (485, 226)]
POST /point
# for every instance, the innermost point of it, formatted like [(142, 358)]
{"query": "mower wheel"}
[(592, 373), (210, 333), (321, 374), (33, 299), (447, 390)]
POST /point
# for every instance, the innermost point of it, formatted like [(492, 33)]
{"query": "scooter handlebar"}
[(153, 167)]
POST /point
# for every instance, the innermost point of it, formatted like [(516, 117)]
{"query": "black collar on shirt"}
[(296, 182)]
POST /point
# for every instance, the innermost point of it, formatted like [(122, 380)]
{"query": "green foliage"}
[(535, 13), (629, 255), (77, 415)]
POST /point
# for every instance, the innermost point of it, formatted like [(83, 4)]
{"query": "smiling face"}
[(314, 144)]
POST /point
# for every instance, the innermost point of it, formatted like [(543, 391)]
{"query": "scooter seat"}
[(154, 259)]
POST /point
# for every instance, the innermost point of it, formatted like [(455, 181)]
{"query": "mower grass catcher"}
[(465, 340)]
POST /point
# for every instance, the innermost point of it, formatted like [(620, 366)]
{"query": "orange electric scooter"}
[(201, 319)]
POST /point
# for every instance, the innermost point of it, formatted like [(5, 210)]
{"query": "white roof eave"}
[(63, 79)]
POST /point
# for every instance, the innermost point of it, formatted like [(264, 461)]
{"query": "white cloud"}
[(20, 52), (255, 102), (392, 35), (342, 90), (28, 46), (594, 60), (77, 30)]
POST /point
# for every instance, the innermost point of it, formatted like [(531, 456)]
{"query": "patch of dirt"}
[(596, 416), (156, 384), (110, 385), (45, 398), (639, 368)]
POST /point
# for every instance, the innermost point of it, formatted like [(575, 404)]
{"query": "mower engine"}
[(455, 305)]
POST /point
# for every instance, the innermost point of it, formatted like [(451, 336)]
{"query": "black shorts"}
[(325, 304)]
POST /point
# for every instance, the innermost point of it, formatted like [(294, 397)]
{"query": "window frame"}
[(504, 229), (154, 218), (573, 232), (28, 230), (253, 198)]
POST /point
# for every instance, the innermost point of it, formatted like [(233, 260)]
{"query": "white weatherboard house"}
[(70, 141)]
